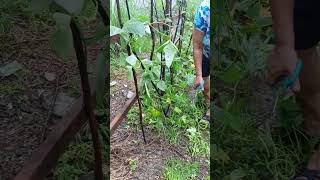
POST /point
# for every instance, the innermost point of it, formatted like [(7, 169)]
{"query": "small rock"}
[(10, 68), (113, 83), (130, 94), (62, 105), (10, 106), (50, 76)]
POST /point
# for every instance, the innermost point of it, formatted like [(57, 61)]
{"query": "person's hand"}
[(282, 61), (198, 82)]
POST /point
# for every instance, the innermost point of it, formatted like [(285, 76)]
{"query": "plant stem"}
[(80, 49), (152, 31), (102, 12), (133, 70), (139, 102)]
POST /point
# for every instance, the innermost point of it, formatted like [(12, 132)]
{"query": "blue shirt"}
[(202, 23)]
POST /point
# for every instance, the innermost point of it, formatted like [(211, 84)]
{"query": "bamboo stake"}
[(133, 70), (81, 54)]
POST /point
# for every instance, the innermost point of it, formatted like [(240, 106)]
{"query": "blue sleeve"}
[(200, 20)]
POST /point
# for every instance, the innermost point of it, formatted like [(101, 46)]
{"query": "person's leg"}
[(307, 36), (309, 98), (314, 162), (207, 90), (206, 78), (309, 95)]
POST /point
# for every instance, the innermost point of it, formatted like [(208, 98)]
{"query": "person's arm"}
[(283, 58), (200, 27), (282, 15), (197, 51)]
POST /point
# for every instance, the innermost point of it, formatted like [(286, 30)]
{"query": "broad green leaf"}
[(162, 85), (253, 11), (237, 174), (72, 6), (132, 60), (62, 20), (62, 42), (134, 27), (146, 62), (147, 90), (170, 52), (147, 77), (39, 5), (129, 72), (100, 76), (156, 71), (160, 49), (228, 119), (115, 30), (232, 75)]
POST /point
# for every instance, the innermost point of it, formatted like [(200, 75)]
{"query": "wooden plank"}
[(46, 156), (122, 114)]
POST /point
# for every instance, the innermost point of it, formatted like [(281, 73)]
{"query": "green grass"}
[(76, 161), (178, 170), (239, 149), (11, 89), (253, 152)]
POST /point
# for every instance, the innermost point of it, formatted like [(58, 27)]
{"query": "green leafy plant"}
[(133, 164), (176, 169), (241, 150), (68, 37)]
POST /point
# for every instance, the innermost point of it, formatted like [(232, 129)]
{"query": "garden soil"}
[(24, 119)]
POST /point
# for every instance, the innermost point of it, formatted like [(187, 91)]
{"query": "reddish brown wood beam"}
[(122, 114), (45, 158)]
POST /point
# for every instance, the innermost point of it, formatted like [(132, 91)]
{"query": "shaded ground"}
[(25, 118)]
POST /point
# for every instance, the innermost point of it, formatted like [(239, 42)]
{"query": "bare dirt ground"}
[(127, 146), (25, 118)]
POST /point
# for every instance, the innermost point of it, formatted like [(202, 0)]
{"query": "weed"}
[(239, 149), (133, 164), (177, 169), (76, 161), (197, 145), (11, 88)]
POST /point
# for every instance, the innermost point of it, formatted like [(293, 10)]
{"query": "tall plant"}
[(68, 37)]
